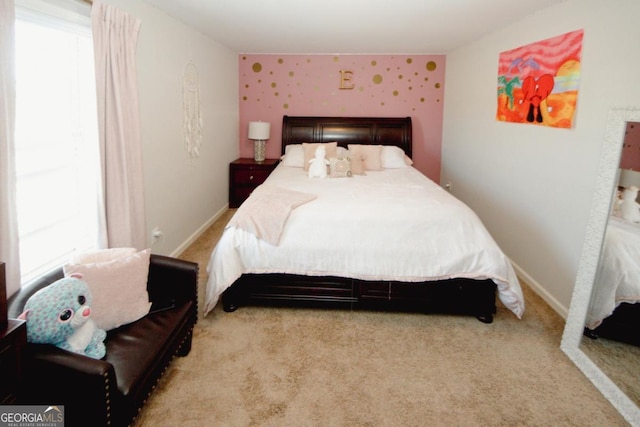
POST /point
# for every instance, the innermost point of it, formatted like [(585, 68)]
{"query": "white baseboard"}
[(198, 232), (541, 291)]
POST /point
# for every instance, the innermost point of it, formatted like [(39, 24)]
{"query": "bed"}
[(613, 312), (390, 239)]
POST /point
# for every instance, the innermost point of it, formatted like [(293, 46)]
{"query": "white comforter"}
[(394, 224), (618, 274)]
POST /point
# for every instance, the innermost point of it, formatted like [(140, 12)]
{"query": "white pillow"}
[(293, 156), (118, 286), (393, 157)]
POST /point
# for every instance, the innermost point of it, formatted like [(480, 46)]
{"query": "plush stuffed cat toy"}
[(59, 314)]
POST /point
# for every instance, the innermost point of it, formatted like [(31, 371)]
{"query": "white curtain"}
[(9, 252), (115, 36)]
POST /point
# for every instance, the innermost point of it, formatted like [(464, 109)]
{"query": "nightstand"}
[(13, 339), (245, 175)]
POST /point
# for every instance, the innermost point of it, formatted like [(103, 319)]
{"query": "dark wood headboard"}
[(348, 130)]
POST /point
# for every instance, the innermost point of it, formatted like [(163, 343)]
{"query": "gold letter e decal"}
[(345, 79)]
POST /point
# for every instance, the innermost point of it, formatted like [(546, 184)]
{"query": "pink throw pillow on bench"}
[(117, 279)]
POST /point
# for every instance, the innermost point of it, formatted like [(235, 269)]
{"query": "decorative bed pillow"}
[(371, 155), (310, 151), (393, 157), (118, 286), (339, 167), (293, 156), (357, 163)]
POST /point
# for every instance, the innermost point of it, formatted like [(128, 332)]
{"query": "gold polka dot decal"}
[(382, 84)]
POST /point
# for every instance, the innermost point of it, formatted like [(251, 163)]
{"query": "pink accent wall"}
[(272, 86)]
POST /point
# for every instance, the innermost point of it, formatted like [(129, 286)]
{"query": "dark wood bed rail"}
[(348, 130)]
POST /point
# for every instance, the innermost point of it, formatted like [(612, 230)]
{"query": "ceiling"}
[(348, 26)]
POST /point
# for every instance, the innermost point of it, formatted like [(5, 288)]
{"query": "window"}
[(56, 140)]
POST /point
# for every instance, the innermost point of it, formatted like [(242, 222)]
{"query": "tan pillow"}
[(118, 288), (372, 155), (357, 163), (310, 151)]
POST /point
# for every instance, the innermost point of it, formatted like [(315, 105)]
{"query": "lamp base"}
[(258, 150)]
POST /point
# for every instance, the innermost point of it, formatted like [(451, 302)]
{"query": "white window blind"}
[(56, 140)]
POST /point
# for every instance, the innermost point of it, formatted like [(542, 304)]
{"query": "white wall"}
[(183, 195), (532, 186)]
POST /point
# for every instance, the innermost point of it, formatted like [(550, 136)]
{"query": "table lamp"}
[(259, 133)]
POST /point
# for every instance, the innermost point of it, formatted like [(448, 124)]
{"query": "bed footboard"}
[(621, 326), (455, 296)]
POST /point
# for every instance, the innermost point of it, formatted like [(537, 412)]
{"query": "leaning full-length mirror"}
[(612, 336), (586, 303)]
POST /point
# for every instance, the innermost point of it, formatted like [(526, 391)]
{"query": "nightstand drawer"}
[(245, 175), (250, 176)]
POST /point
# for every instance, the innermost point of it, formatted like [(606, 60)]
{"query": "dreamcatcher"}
[(191, 106)]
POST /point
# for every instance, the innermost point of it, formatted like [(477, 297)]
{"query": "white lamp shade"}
[(259, 130)]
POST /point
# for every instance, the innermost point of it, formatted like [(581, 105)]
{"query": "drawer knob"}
[(251, 177)]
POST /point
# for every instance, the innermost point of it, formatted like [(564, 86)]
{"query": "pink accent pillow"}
[(101, 255), (372, 155), (310, 151), (118, 285), (357, 163)]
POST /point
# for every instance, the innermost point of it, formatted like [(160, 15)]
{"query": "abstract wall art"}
[(538, 83)]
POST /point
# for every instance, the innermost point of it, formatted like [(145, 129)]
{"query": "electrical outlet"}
[(156, 234)]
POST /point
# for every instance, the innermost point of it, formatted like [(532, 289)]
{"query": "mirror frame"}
[(594, 236)]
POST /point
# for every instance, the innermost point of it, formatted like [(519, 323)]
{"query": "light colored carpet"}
[(304, 367)]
